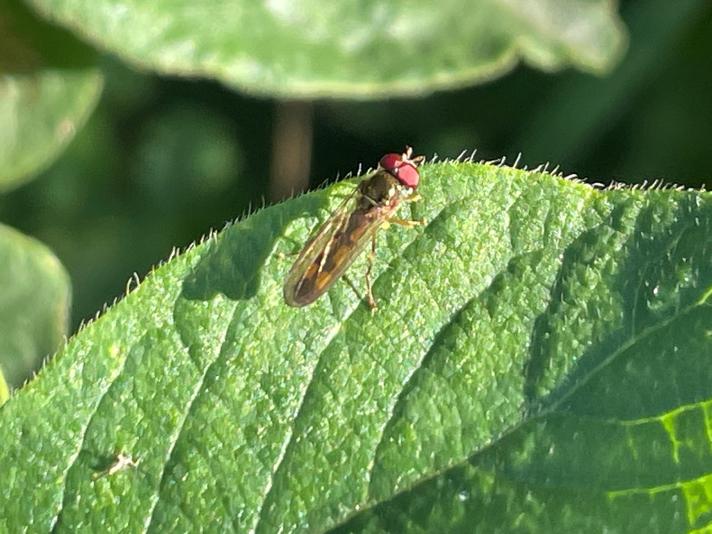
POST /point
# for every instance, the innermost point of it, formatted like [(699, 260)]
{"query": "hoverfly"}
[(334, 246)]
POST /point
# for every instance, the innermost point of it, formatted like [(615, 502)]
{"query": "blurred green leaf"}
[(48, 88), (185, 154), (34, 305), (308, 48), (551, 134), (540, 358)]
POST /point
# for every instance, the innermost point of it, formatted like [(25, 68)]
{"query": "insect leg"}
[(353, 287), (405, 222)]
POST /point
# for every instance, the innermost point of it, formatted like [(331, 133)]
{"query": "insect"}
[(121, 462), (334, 246)]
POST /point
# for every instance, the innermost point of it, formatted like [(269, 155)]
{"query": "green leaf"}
[(539, 359), (4, 390), (308, 48), (549, 133), (49, 87), (34, 305)]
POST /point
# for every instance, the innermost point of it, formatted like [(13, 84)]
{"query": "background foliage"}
[(173, 157)]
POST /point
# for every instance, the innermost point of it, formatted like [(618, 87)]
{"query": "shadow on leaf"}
[(233, 262)]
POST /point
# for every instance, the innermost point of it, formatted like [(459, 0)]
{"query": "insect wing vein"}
[(338, 241), (316, 244)]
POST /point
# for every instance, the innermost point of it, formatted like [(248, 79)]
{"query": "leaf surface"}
[(307, 48), (540, 359), (49, 87), (34, 305)]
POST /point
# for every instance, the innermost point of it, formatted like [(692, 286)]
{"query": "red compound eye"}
[(408, 175), (401, 166), (391, 162)]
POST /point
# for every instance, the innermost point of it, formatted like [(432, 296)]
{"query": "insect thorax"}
[(380, 188)]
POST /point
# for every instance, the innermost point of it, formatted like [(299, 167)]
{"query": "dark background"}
[(163, 160)]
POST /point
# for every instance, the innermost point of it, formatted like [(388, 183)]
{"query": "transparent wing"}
[(316, 244), (332, 249)]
